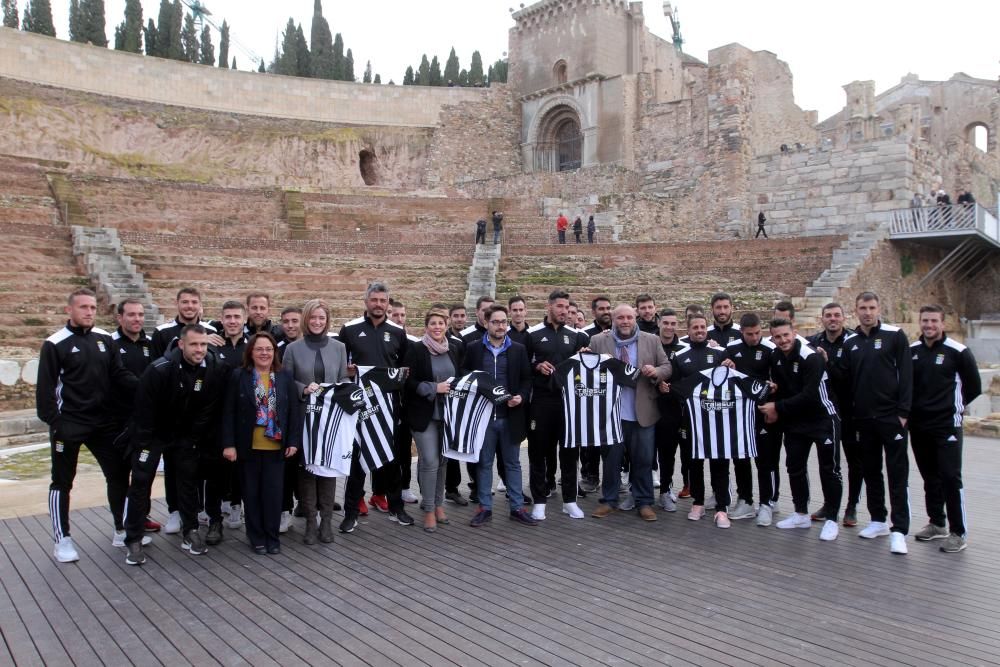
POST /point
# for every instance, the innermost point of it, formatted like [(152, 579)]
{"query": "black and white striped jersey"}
[(328, 434), (591, 387), (721, 409), (376, 421), (468, 408)]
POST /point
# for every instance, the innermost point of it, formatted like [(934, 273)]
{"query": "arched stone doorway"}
[(559, 146)]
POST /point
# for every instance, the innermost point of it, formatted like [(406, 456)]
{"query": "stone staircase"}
[(483, 273), (111, 271), (295, 215), (71, 211), (847, 259)]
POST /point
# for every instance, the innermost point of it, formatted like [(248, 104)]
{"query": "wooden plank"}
[(16, 605)]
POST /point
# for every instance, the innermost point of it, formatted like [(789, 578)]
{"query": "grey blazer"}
[(650, 352), (300, 361)]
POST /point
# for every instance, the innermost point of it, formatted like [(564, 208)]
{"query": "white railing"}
[(957, 219)]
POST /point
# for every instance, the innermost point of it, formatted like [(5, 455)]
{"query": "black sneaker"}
[(401, 517), (214, 534), (523, 517), (193, 543), (135, 556), (457, 498), (580, 492), (348, 525), (481, 517)]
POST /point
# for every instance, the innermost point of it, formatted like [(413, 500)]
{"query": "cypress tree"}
[(434, 76), (163, 22), (150, 37), (338, 57), (38, 18), (234, 63), (367, 78), (303, 67), (260, 68), (207, 54), (408, 77), (131, 28), (451, 68), (94, 24), (349, 67), (424, 73), (476, 70), (189, 37), (287, 61), (224, 44), (498, 71), (77, 32), (10, 18), (176, 47), (120, 37), (378, 78), (321, 44), (26, 20), (463, 78)]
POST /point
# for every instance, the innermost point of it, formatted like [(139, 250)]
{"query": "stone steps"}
[(112, 272)]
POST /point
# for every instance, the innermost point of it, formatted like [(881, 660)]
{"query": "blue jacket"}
[(239, 416), (478, 358)]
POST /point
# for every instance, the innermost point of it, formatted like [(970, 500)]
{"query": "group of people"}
[(250, 415), (562, 224)]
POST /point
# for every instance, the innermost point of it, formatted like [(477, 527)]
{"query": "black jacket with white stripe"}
[(368, 344), (803, 400), (880, 370), (945, 380)]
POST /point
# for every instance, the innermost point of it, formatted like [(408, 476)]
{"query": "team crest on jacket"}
[(385, 336), (878, 343), (197, 384), (759, 355), (100, 346), (566, 340), (939, 360), (145, 351)]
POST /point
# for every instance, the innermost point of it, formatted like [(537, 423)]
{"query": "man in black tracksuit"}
[(697, 357), (945, 380), (877, 361), (374, 340), (804, 406), (723, 330), (550, 343), (830, 343), (177, 408), (751, 355), (77, 368), (470, 335), (671, 414)]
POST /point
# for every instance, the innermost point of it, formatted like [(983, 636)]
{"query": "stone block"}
[(10, 372)]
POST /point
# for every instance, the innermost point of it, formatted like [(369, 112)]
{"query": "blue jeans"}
[(641, 444), (499, 432)]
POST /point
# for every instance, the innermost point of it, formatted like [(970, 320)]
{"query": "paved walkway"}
[(589, 592)]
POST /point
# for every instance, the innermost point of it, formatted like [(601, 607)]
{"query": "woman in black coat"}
[(261, 426)]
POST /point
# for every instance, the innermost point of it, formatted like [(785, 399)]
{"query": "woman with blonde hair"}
[(316, 359)]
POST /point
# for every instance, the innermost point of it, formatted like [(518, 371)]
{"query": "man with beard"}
[(645, 308), (723, 330)]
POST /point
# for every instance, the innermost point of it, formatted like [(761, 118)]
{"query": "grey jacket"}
[(300, 361), (650, 352)]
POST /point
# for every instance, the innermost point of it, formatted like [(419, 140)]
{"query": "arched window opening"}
[(981, 137), (366, 163), (559, 71)]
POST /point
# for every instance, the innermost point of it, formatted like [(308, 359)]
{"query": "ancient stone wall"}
[(35, 58), (775, 118), (476, 139)]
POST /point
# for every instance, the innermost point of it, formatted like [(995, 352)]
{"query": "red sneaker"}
[(685, 492), (379, 502), (152, 526), (362, 507)]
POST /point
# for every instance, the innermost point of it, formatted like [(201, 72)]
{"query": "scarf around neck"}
[(434, 347), (267, 406)]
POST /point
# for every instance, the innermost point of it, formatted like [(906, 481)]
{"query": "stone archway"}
[(558, 137)]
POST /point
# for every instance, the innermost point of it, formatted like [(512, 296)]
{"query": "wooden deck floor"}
[(590, 592)]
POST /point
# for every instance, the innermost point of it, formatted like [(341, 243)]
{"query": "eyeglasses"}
[(499, 322)]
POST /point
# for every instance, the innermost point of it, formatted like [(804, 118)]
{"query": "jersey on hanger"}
[(328, 433), (721, 409), (468, 408), (376, 421), (591, 391)]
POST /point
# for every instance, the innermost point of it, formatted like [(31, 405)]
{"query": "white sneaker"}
[(235, 519), (225, 507), (628, 503), (409, 496), (874, 529), (538, 512), (65, 551), (285, 523), (656, 480), (796, 520), (572, 509), (764, 516), (203, 518), (830, 531), (897, 543), (742, 510), (119, 540), (673, 494), (711, 501), (173, 525), (501, 486), (668, 503)]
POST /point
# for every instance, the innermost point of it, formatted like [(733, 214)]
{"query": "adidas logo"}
[(739, 355), (75, 349), (544, 340), (362, 335), (952, 438), (899, 436), (828, 442)]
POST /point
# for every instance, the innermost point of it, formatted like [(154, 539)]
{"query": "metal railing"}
[(944, 220)]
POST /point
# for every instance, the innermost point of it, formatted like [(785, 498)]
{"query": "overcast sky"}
[(827, 44)]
